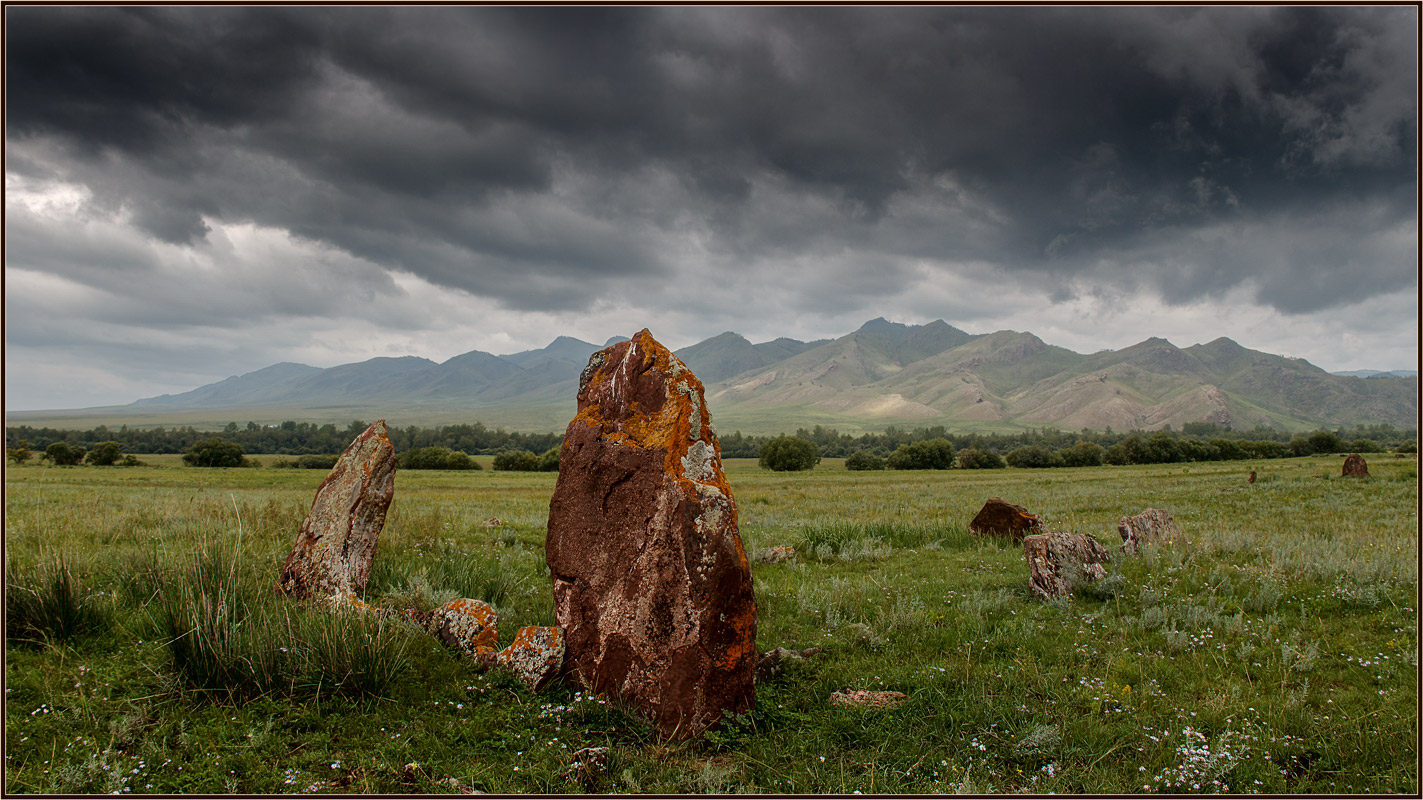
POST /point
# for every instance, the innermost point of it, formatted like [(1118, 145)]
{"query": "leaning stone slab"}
[(1001, 518), (1058, 562), (1355, 466), (469, 625), (1152, 526), (651, 582), (535, 655), (333, 552)]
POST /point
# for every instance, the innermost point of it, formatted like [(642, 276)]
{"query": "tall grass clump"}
[(44, 602), (230, 635)]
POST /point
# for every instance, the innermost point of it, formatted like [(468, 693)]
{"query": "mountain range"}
[(884, 373)]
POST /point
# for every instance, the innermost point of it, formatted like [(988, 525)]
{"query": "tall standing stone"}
[(651, 582), (1355, 466), (332, 555)]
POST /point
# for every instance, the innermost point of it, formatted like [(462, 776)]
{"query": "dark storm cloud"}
[(538, 155)]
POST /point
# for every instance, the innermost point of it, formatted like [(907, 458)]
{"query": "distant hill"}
[(1376, 373), (883, 373)]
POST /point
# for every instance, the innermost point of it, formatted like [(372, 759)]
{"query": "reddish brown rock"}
[(999, 518), (651, 582), (470, 625), (1251, 479), (1059, 561), (1152, 526), (535, 655), (333, 552), (1355, 466), (862, 698)]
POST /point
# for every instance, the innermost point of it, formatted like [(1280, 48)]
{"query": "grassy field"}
[(1276, 653)]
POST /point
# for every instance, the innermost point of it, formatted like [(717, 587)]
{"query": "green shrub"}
[(1033, 457), (789, 454), (215, 452), (516, 461), (104, 454), (978, 458), (548, 462), (63, 454), (436, 458), (863, 460), (1083, 454), (928, 454)]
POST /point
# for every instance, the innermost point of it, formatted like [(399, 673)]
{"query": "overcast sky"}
[(193, 193)]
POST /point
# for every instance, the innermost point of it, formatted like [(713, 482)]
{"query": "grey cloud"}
[(513, 152)]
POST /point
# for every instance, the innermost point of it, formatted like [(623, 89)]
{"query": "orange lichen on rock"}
[(651, 581), (535, 655), (470, 625)]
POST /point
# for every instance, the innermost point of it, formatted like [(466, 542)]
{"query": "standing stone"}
[(1004, 519), (651, 583), (1059, 561), (1355, 466), (332, 555), (1150, 526), (1251, 479)]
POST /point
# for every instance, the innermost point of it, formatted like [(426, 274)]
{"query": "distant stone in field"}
[(1059, 561), (999, 518), (535, 655), (861, 698), (651, 582), (1355, 466), (774, 555), (1152, 526), (470, 625), (773, 661), (1251, 479), (333, 552)]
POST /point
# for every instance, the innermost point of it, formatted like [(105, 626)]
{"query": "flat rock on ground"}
[(470, 625), (651, 583), (862, 698), (1152, 526), (1001, 518), (333, 552), (1059, 561)]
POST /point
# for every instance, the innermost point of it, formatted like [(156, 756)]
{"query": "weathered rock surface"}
[(1151, 526), (1355, 466), (651, 582), (861, 698), (1059, 561), (1000, 518), (774, 555), (587, 765), (470, 625), (535, 655), (333, 552)]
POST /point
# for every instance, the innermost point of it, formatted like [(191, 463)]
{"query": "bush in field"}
[(20, 453), (928, 454), (1033, 456), (436, 458), (1322, 441), (1264, 448), (63, 454), (863, 460), (1364, 446), (1083, 454), (1229, 450), (1407, 447), (105, 454), (977, 458), (548, 462), (789, 454), (516, 461), (215, 452)]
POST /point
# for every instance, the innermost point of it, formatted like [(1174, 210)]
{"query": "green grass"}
[(1276, 653)]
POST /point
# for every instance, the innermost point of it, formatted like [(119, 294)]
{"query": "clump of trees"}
[(863, 460), (525, 461), (978, 458), (63, 454), (216, 451), (435, 458), (937, 453), (789, 454)]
